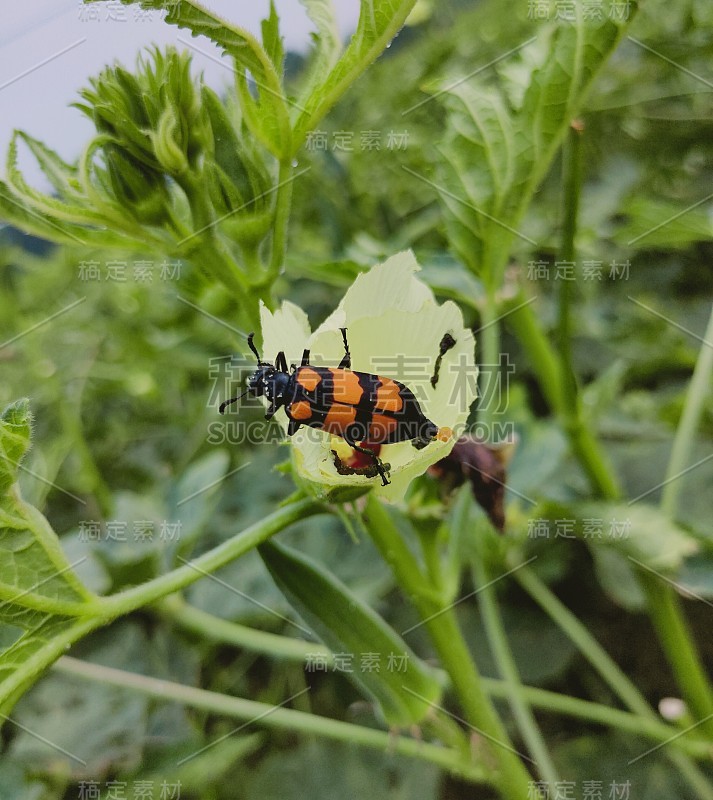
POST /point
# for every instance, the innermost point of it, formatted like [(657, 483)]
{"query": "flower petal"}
[(390, 285), (285, 329)]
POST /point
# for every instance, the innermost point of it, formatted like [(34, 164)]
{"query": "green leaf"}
[(64, 710), (696, 574), (635, 537), (349, 626), (41, 599), (191, 498), (271, 39), (301, 773), (327, 45), (59, 173), (236, 156), (15, 431), (17, 212), (502, 139), (642, 533), (617, 577), (58, 209), (379, 22), (267, 116), (652, 223)]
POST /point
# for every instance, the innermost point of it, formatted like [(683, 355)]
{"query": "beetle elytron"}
[(365, 410)]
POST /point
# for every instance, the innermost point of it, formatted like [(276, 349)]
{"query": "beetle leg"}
[(378, 463), (346, 362), (292, 427), (305, 358), (281, 362)]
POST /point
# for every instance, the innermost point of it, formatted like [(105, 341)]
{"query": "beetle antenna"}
[(232, 400), (251, 345)]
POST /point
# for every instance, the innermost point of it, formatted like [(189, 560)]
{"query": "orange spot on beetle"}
[(388, 396), (381, 427), (308, 378), (300, 410), (346, 386), (339, 418)]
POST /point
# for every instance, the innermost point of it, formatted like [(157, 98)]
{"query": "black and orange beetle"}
[(365, 410)]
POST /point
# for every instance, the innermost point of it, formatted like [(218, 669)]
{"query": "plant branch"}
[(679, 647), (505, 663), (283, 203), (122, 603), (208, 626), (513, 779), (608, 669), (214, 628), (557, 703), (692, 409), (273, 717), (664, 604)]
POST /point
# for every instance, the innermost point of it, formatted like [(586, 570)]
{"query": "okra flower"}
[(395, 329)]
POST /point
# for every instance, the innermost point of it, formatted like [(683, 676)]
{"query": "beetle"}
[(361, 408)]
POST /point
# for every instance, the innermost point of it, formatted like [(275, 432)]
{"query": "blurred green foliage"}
[(119, 384)]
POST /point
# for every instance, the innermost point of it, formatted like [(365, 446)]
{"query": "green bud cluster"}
[(159, 128)]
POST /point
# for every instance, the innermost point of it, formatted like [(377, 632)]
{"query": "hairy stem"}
[(557, 703), (489, 359)]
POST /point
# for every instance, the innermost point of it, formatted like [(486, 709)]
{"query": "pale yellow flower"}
[(395, 328)]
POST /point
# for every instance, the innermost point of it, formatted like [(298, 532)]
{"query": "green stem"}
[(458, 534), (679, 646), (608, 669), (208, 626), (430, 540), (572, 179), (525, 325), (505, 663), (283, 204), (555, 370), (153, 590), (686, 431), (587, 644), (589, 453), (513, 779), (603, 715), (582, 441), (489, 343), (664, 604), (216, 629), (548, 370), (272, 717)]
